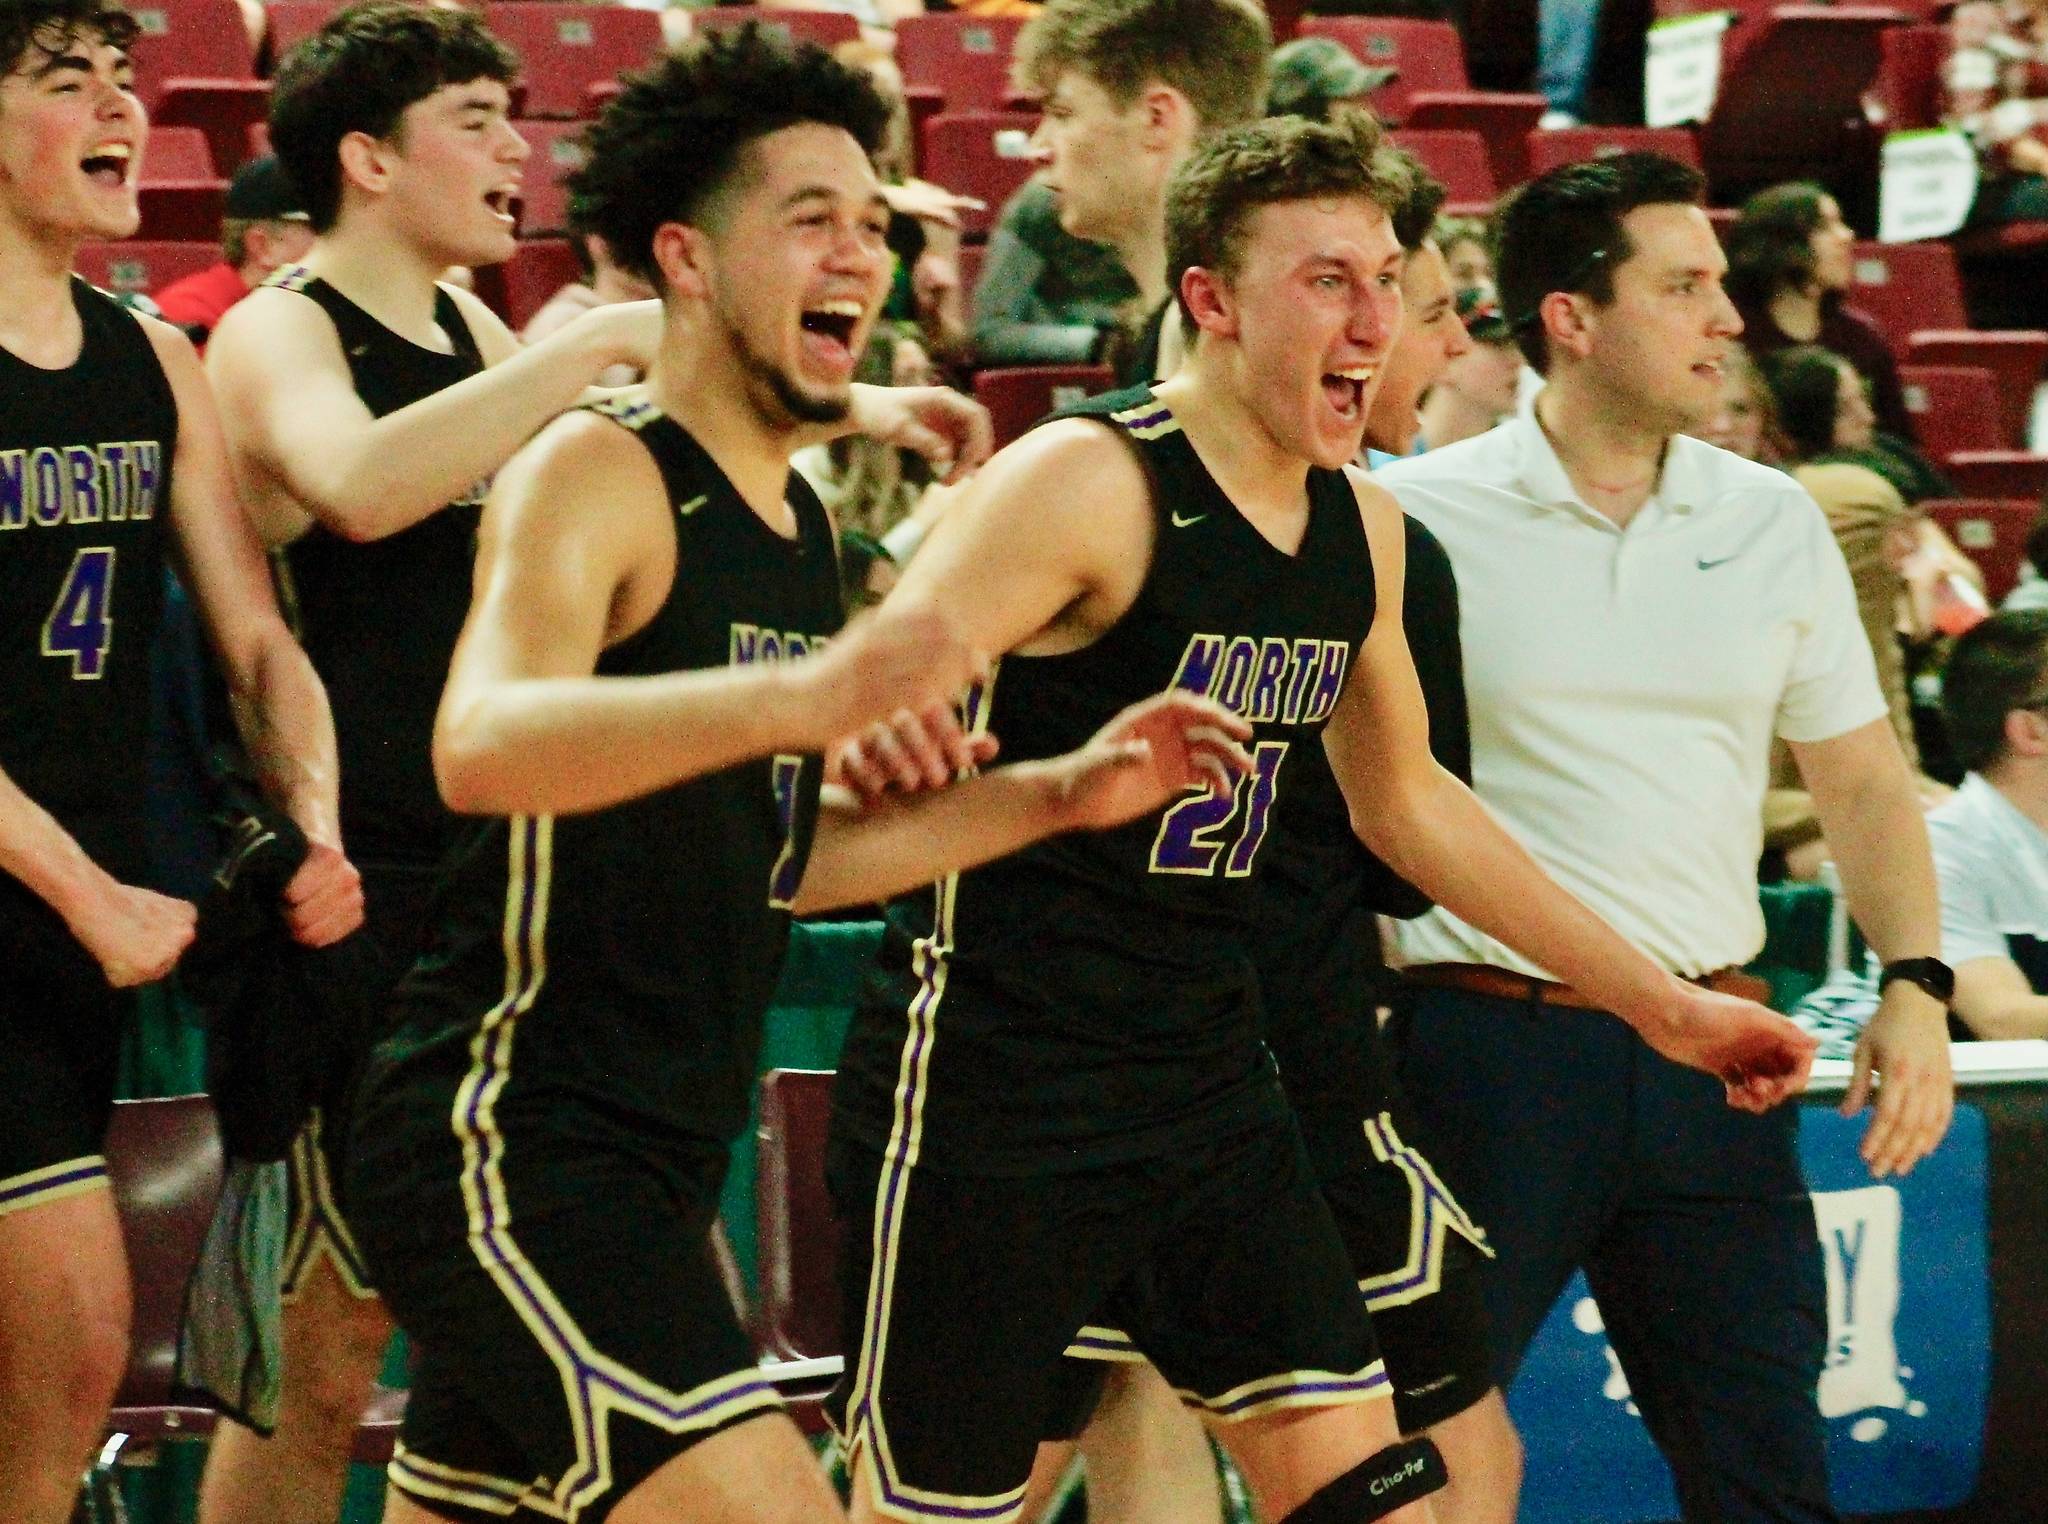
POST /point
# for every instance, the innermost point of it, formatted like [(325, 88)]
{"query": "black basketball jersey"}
[(380, 620), (85, 482), (637, 947), (1089, 999)]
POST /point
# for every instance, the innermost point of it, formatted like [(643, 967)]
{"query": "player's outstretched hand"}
[(908, 753), (135, 935), (1760, 1056), (1906, 1047), (901, 657), (324, 900), (950, 430), (1150, 755)]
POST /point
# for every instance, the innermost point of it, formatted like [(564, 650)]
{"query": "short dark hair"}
[(1415, 218), (1770, 247), (50, 26), (1994, 669), (358, 73), (1218, 53), (674, 136), (1806, 388), (1213, 196), (1563, 232)]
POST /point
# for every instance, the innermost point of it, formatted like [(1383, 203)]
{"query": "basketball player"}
[(110, 460), (368, 406), (646, 684), (1055, 1115)]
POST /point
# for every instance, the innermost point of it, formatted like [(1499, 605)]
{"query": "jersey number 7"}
[(79, 625)]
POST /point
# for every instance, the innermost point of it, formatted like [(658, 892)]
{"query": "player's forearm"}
[(2005, 1020), (564, 745), (861, 856), (408, 465), (1878, 839), (281, 712), (42, 855), (1438, 836)]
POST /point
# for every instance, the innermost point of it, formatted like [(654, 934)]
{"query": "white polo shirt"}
[(1993, 865), (1625, 684)]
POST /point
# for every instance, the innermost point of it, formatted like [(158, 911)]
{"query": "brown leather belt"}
[(1505, 984)]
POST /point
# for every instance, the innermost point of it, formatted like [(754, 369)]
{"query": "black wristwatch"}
[(1930, 974)]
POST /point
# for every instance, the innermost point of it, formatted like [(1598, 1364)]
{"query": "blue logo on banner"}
[(1909, 1348)]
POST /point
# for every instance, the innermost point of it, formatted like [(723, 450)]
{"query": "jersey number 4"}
[(1194, 833), (80, 625)]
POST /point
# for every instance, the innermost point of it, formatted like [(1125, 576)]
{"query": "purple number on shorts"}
[(79, 626), (1191, 835), (786, 877)]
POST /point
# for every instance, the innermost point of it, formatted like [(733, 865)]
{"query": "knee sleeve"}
[(1376, 1486)]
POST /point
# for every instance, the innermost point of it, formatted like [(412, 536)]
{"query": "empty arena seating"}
[(1992, 532), (140, 265), (1018, 396), (1428, 55), (180, 193), (828, 29), (1570, 145), (986, 154), (2014, 356), (1954, 407), (191, 39), (1457, 158), (544, 199), (568, 48), (964, 59)]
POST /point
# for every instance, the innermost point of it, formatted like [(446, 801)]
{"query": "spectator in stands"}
[(1046, 297), (1991, 838), (1790, 261), (1747, 423), (1567, 33), (1478, 387), (1824, 409), (1311, 75), (265, 226), (2032, 591), (604, 282), (1995, 87), (1466, 250)]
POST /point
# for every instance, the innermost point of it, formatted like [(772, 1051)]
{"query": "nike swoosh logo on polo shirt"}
[(1706, 565), (1182, 523)]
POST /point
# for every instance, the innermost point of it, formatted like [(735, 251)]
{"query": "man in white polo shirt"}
[(1991, 836), (1641, 614)]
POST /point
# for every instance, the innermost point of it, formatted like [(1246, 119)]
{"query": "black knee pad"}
[(1376, 1486)]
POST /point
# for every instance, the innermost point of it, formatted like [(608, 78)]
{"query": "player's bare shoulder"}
[(1073, 476)]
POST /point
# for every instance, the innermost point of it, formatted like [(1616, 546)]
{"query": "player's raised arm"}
[(1437, 834), (574, 555)]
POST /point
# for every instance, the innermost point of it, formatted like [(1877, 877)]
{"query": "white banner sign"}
[(1927, 185), (1682, 72)]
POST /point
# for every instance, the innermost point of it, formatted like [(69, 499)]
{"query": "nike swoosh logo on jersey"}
[(1193, 518), (1706, 565), (686, 509)]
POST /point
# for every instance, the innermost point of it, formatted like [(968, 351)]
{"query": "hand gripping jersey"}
[(380, 619), (1089, 1000), (633, 950), (85, 482)]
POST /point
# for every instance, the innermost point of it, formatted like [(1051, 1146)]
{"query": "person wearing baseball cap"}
[(266, 226), (1477, 389), (1313, 74)]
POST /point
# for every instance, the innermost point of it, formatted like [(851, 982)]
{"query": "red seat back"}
[(1908, 84), (1954, 407), (1791, 95), (1907, 286), (1428, 54), (165, 1160), (1992, 531), (538, 268), (985, 154), (828, 29), (293, 21), (797, 1232), (176, 154), (965, 58), (223, 109), (565, 49), (2014, 356), (1574, 145), (1459, 160), (1503, 120), (140, 266), (544, 198), (1017, 396), (2009, 474), (200, 39)]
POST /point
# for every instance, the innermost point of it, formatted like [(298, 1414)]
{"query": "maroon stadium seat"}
[(1428, 55), (1908, 84), (137, 265), (223, 109), (544, 199), (1791, 96), (177, 153), (1998, 473), (180, 194), (1954, 407), (1460, 161), (1503, 120), (538, 268), (965, 58), (986, 154), (1017, 396), (1573, 145), (828, 29), (796, 1231), (565, 49), (1992, 532), (292, 21), (1907, 286), (193, 39), (2014, 356)]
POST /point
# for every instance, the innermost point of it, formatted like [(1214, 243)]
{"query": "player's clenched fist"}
[(898, 658), (1760, 1056), (134, 934)]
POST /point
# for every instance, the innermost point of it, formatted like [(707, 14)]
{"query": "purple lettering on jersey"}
[(47, 481), (1264, 705), (1197, 671), (87, 503), (1329, 681), (13, 488), (148, 457), (1238, 662)]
